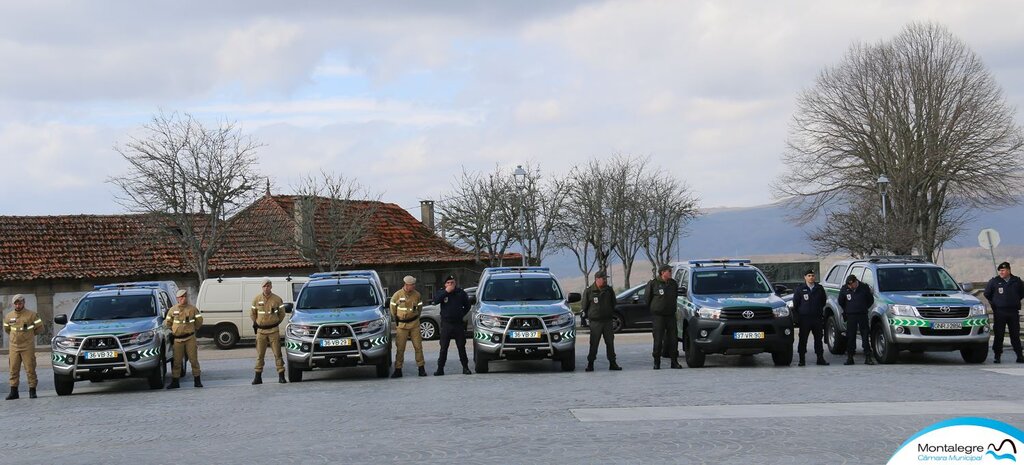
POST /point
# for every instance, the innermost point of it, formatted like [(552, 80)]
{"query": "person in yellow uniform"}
[(267, 315), (184, 320), (23, 325), (406, 306)]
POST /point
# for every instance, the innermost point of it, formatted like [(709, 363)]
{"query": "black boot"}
[(14, 393), (614, 366), (802, 362), (280, 378), (465, 369), (31, 393), (258, 379), (997, 357), (657, 363), (198, 382), (675, 363), (869, 360), (590, 366), (423, 371), (849, 360), (821, 360), (439, 371), (174, 384), (397, 373)]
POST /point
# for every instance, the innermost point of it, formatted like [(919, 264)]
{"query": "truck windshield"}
[(521, 289), (341, 296), (914, 279), (115, 307), (730, 282)]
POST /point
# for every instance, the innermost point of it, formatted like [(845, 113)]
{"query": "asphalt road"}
[(735, 410)]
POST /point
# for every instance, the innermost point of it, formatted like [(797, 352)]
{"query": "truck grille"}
[(936, 312), (945, 332), (521, 323), (334, 332), (100, 343), (759, 313)]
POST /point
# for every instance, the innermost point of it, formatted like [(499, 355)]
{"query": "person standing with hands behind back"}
[(455, 306), (1004, 293)]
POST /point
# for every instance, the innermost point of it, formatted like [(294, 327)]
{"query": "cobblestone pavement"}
[(519, 413)]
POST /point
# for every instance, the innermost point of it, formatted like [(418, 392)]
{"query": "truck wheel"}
[(480, 363), (885, 351), (694, 356), (157, 376), (976, 353), (225, 336), (384, 367), (784, 357), (569, 361), (833, 339), (428, 330), (64, 385), (294, 373)]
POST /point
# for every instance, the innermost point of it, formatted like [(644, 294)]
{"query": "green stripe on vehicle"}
[(909, 322)]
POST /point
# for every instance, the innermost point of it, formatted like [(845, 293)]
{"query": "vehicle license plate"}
[(99, 355), (957, 325), (757, 335), (335, 342), (524, 334)]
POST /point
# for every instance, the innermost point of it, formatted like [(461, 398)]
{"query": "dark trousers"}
[(1004, 319), (599, 329), (665, 339), (853, 324), (811, 325), (457, 331)]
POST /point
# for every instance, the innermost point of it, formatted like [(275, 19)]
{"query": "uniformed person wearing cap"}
[(599, 306), (184, 320), (660, 295), (454, 303), (1004, 293), (23, 325), (267, 314), (809, 301), (406, 306), (856, 300)]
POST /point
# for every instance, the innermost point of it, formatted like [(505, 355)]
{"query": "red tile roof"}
[(93, 246)]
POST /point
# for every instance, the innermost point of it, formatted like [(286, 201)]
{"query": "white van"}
[(225, 304)]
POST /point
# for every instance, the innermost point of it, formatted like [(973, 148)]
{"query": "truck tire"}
[(158, 376), (294, 373), (975, 353), (225, 335), (885, 351), (694, 356), (568, 361), (480, 363), (64, 385), (384, 367), (784, 357), (833, 339)]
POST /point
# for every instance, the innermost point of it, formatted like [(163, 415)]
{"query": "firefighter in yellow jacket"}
[(267, 314), (406, 306), (184, 320), (23, 325)]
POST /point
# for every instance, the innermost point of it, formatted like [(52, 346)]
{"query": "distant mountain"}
[(765, 230)]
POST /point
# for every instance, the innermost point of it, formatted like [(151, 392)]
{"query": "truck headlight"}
[(144, 337), (66, 343), (374, 326), (979, 310), (301, 331), (709, 313), (564, 319), (903, 310), (780, 312), (489, 321)]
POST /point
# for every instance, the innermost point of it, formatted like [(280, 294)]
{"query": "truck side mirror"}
[(683, 290), (288, 307), (61, 319), (575, 297), (636, 298), (967, 287), (472, 300), (781, 290)]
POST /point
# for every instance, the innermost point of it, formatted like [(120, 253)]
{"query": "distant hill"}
[(765, 231)]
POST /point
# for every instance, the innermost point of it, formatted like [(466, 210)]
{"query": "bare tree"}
[(190, 179), (671, 207), (478, 215), (627, 178), (588, 211), (541, 203), (922, 109)]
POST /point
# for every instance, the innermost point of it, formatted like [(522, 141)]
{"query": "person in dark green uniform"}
[(599, 306), (661, 294)]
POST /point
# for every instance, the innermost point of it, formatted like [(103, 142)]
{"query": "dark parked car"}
[(631, 310)]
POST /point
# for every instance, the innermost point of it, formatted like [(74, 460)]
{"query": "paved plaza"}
[(735, 410)]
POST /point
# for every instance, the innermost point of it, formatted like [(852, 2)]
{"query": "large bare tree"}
[(671, 206), (477, 215), (541, 203), (628, 178), (190, 179), (587, 209), (921, 108)]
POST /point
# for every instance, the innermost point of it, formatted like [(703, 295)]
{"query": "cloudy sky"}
[(401, 94)]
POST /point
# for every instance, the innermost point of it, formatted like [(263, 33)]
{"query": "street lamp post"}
[(520, 178), (883, 188)]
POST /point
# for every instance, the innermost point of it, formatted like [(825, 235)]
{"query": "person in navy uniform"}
[(1004, 293), (809, 305), (856, 299), (454, 303)]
